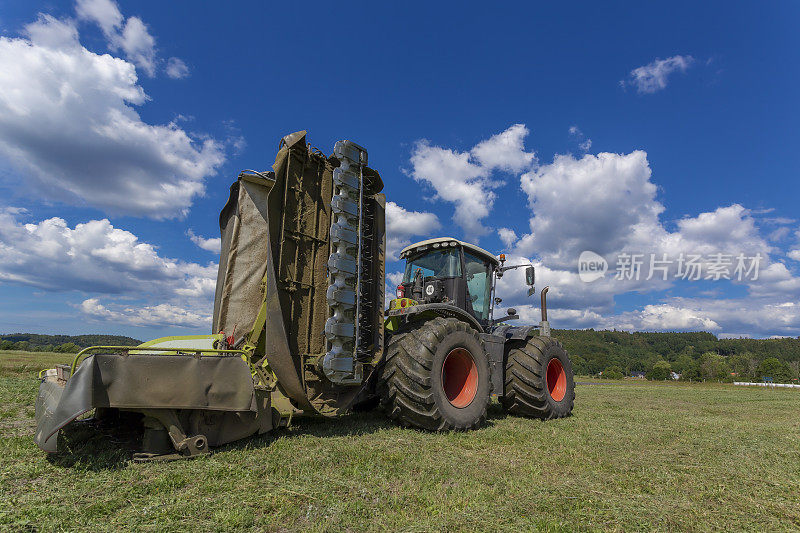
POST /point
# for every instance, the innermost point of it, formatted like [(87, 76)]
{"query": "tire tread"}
[(405, 384), (525, 384)]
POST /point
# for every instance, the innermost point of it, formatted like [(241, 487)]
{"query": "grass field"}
[(635, 456)]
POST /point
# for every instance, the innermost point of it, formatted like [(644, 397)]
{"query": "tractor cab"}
[(446, 270)]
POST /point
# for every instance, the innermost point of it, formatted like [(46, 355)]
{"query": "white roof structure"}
[(443, 242)]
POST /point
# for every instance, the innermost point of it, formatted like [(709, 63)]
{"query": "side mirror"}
[(530, 276)]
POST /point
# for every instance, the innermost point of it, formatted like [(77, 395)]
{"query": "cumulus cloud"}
[(718, 315), (68, 125), (508, 236), (104, 12), (402, 224), (464, 178), (129, 36), (608, 203), (505, 150), (176, 68), (212, 244), (158, 315), (666, 317), (616, 205), (616, 212), (96, 257), (653, 77), (794, 254)]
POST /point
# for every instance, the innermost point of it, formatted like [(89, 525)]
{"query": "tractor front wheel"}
[(436, 376), (539, 381)]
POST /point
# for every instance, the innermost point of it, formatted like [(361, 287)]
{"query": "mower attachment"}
[(173, 388)]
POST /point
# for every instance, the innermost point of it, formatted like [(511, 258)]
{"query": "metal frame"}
[(177, 351)]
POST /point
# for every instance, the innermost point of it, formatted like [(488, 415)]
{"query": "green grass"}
[(635, 456)]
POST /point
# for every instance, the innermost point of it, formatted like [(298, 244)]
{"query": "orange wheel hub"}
[(459, 378), (556, 380)]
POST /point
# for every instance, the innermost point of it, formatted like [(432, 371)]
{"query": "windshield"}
[(444, 263)]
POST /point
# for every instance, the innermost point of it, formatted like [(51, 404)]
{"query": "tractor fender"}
[(515, 333), (443, 310)]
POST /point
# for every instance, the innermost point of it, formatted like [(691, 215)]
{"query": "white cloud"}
[(583, 142), (508, 236), (616, 206), (402, 224), (130, 36), (463, 178), (665, 317), (794, 254), (176, 68), (104, 12), (158, 315), (652, 77), (138, 45), (96, 257), (779, 234), (68, 125), (608, 203), (750, 315), (617, 211), (393, 279), (50, 32), (505, 150), (211, 244)]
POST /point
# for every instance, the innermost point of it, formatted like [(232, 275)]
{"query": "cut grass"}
[(635, 456)]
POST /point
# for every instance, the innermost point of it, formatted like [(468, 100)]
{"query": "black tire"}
[(413, 377), (526, 385)]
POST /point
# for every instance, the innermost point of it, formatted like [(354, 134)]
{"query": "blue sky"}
[(538, 129)]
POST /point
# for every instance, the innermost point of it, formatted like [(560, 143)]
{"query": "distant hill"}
[(61, 343), (694, 355)]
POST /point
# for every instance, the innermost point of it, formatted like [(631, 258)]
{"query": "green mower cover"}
[(143, 382)]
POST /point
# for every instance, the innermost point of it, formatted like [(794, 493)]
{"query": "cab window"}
[(479, 286), (443, 263)]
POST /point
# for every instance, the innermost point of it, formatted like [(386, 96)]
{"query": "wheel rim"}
[(459, 378), (556, 380)]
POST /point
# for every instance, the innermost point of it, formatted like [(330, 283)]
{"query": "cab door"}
[(478, 276)]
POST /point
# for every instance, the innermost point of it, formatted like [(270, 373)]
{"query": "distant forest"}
[(61, 343), (695, 356), (615, 354)]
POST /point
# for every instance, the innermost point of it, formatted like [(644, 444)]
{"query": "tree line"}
[(615, 354), (33, 342), (692, 355)]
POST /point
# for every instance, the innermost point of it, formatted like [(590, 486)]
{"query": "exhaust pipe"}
[(544, 325)]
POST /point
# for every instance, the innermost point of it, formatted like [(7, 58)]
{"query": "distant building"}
[(675, 375), (637, 374)]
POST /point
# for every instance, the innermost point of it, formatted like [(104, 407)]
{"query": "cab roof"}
[(443, 242)]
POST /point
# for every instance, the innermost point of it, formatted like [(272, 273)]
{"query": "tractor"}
[(300, 327), (446, 354)]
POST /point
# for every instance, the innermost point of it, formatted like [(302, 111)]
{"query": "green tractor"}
[(300, 327), (446, 354)]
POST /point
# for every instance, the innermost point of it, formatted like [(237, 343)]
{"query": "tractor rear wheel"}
[(436, 376), (539, 381)]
